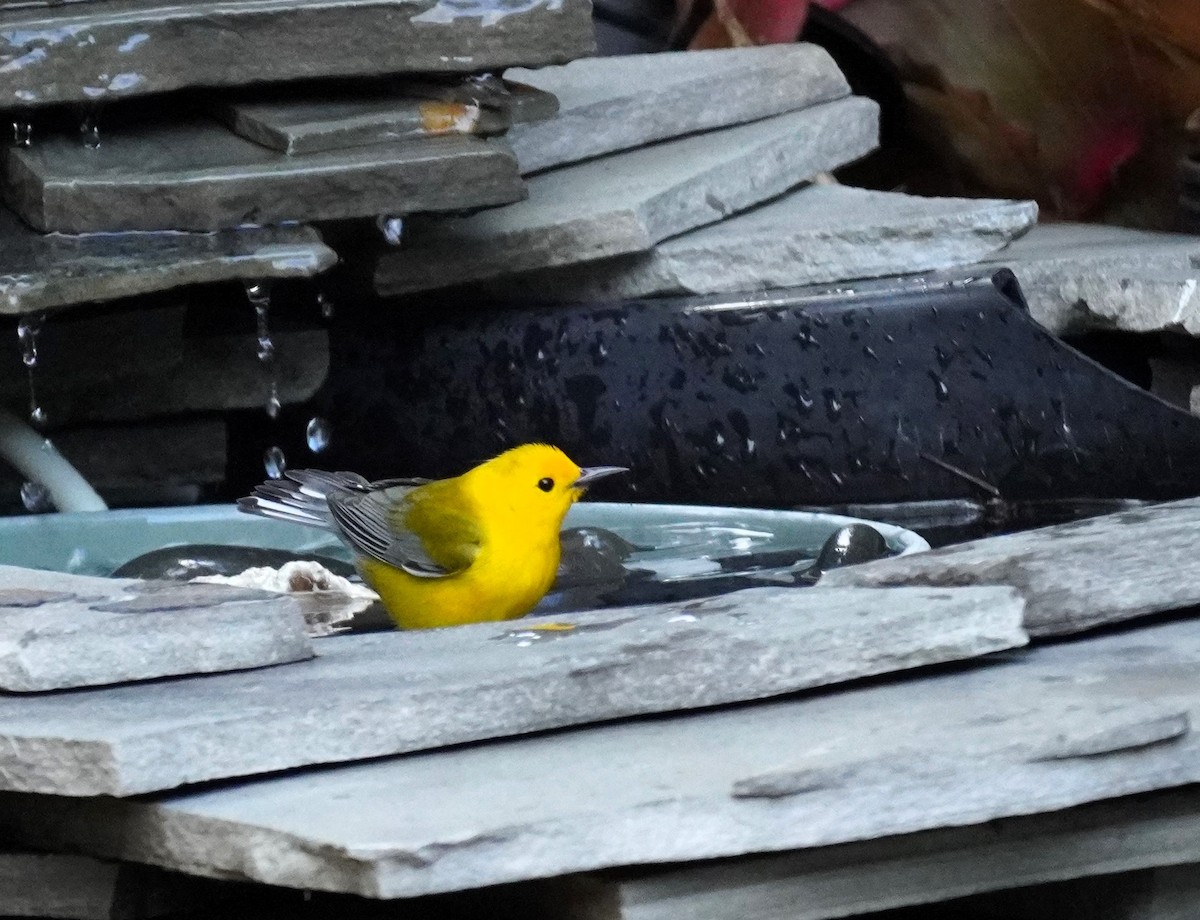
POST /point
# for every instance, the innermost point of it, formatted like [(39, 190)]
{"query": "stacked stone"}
[(158, 762), (152, 204)]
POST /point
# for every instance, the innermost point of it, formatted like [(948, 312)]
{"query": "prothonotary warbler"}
[(480, 546)]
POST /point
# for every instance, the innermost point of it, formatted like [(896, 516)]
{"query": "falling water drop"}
[(325, 303), (28, 329), (258, 293), (36, 498), (22, 134), (274, 462), (392, 229), (274, 403), (89, 130), (317, 434)]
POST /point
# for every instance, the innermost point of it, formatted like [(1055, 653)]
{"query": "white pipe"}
[(39, 461)]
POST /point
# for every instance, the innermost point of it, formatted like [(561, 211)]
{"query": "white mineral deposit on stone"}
[(295, 577)]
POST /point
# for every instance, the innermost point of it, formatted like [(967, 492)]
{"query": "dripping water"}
[(89, 129), (317, 434), (325, 305), (28, 329), (274, 462), (22, 134), (392, 229)]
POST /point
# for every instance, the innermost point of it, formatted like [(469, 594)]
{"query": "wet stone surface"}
[(86, 631), (604, 105), (815, 235), (951, 748), (629, 201), (47, 271), (1075, 576), (489, 680), (95, 51), (198, 175)]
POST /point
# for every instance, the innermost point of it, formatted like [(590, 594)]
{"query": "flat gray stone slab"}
[(1073, 577), (814, 235), (49, 271), (215, 373), (1058, 726), (59, 631), (198, 175), (122, 48), (406, 110), (1081, 843), (387, 693), (1083, 277), (615, 103), (629, 201), (83, 888)]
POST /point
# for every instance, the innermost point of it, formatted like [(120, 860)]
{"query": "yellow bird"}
[(481, 546)]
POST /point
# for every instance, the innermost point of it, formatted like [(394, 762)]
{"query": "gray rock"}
[(1082, 845), (48, 271), (383, 114), (198, 175), (1073, 577), (92, 52), (59, 631), (215, 373), (606, 103), (387, 693), (941, 750), (1081, 277), (82, 888), (815, 235), (629, 201)]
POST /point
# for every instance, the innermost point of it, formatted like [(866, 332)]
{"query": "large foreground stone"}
[(198, 175), (629, 201), (386, 693), (89, 52), (48, 271), (1059, 726), (1084, 277), (1073, 577), (614, 103), (817, 234), (59, 631), (1123, 835), (82, 888)]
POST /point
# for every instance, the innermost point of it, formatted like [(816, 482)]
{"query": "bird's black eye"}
[(546, 484)]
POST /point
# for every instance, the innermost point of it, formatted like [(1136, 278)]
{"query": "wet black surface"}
[(895, 391), (182, 563)]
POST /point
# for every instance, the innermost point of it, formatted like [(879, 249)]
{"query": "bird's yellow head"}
[(533, 485)]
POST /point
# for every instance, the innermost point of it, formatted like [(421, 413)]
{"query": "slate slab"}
[(215, 373), (385, 114), (1081, 843), (388, 693), (91, 52), (83, 888), (1058, 726), (49, 271), (59, 631), (629, 201), (605, 104), (814, 235), (1075, 576), (1082, 277), (197, 175)]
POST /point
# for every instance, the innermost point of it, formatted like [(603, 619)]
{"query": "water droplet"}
[(273, 404), (35, 497), (317, 434), (28, 329), (392, 229), (37, 414), (22, 135), (89, 130), (274, 462), (266, 349), (325, 303)]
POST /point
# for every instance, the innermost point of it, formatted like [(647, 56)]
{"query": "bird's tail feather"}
[(302, 498)]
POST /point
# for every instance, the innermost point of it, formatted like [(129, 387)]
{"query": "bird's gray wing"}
[(366, 514)]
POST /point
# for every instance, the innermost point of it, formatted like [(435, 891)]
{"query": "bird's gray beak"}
[(590, 474)]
